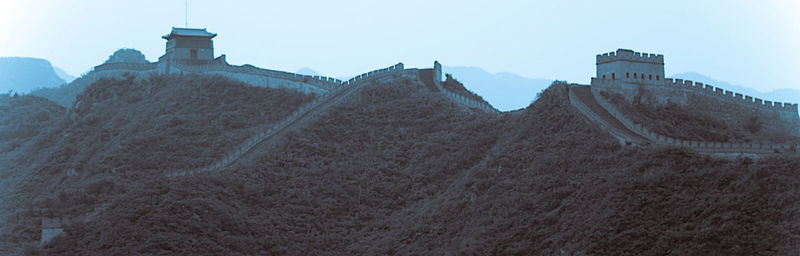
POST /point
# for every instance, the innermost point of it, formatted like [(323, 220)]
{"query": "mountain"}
[(65, 94), (23, 75), (505, 91), (127, 55), (64, 75), (779, 95), (393, 168)]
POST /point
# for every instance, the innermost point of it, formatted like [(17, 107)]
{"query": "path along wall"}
[(710, 147), (678, 91), (267, 131), (468, 101), (247, 74)]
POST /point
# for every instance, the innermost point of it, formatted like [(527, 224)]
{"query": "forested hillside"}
[(121, 132), (395, 169)]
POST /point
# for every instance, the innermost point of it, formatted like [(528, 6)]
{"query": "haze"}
[(744, 42)]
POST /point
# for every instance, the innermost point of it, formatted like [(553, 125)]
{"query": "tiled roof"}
[(195, 32)]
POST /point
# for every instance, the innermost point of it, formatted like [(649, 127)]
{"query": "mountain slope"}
[(64, 75), (26, 74), (123, 132), (398, 169)]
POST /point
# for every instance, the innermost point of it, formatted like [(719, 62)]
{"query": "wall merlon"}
[(629, 55)]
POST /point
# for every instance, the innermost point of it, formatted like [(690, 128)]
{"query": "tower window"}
[(627, 75), (634, 75), (650, 77), (613, 76), (656, 77), (604, 76)]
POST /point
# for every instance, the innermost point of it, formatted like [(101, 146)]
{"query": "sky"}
[(752, 43)]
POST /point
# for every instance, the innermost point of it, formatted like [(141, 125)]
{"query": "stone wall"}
[(679, 91), (628, 65), (268, 131), (461, 99), (708, 147), (246, 73), (51, 228)]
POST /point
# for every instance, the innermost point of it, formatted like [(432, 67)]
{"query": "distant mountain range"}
[(24, 75), (779, 95), (505, 91)]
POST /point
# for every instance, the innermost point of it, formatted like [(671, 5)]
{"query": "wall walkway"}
[(589, 102), (304, 115)]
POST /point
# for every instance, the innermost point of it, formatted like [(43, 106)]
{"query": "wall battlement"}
[(698, 88), (726, 95), (629, 55)]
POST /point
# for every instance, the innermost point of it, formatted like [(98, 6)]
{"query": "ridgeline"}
[(397, 167)]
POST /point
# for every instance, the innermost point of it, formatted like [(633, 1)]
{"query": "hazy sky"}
[(753, 43)]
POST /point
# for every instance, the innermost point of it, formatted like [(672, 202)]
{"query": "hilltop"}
[(27, 74), (395, 168)]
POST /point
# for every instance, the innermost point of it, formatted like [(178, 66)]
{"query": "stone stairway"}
[(302, 116), (595, 108), (582, 99)]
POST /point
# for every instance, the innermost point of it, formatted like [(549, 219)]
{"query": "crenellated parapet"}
[(629, 55), (679, 90), (729, 96), (127, 66)]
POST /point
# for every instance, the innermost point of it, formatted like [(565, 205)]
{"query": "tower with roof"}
[(189, 45)]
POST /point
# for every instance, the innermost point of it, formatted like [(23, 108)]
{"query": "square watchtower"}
[(629, 66), (192, 45)]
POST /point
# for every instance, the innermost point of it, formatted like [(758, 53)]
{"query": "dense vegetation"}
[(120, 132), (127, 55), (395, 169), (398, 169), (707, 119)]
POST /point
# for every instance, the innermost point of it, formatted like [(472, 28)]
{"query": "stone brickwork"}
[(303, 114), (458, 98), (707, 147), (614, 76), (51, 228), (627, 65)]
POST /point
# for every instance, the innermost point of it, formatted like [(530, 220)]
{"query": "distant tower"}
[(190, 45), (630, 66)]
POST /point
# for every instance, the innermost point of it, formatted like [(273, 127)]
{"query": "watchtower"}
[(629, 66), (192, 45)]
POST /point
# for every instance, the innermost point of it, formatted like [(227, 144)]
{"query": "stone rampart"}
[(708, 147), (126, 66), (462, 99), (630, 56), (261, 77), (51, 228), (270, 130), (678, 90)]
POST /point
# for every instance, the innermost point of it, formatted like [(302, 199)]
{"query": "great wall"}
[(648, 80), (586, 99)]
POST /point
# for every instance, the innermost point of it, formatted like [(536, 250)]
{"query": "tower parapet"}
[(630, 66), (629, 55)]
